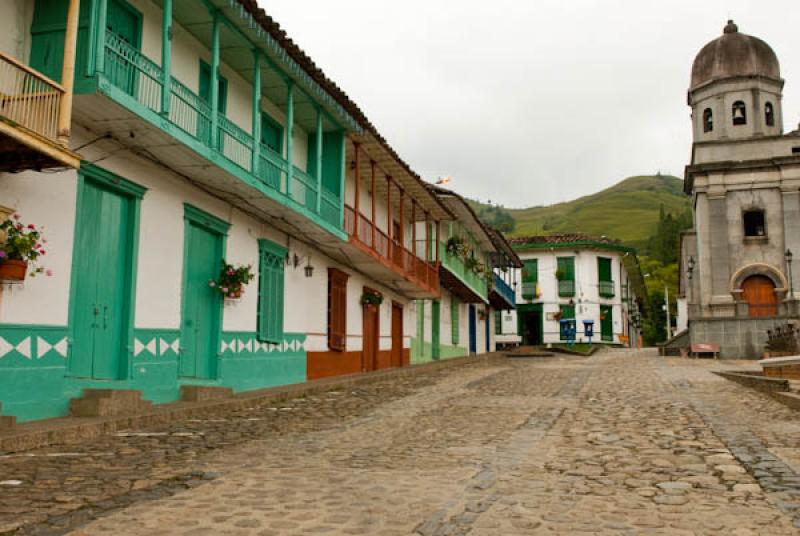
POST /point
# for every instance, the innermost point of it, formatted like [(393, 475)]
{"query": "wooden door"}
[(759, 293), (370, 342), (102, 275), (397, 335), (202, 305), (125, 23), (473, 330), (606, 323)]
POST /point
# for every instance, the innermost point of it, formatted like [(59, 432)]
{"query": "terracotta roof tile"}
[(563, 238)]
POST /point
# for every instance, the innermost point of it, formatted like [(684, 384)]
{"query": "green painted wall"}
[(33, 367), (422, 351)]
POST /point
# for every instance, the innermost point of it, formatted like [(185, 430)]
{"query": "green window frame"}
[(454, 320), (566, 283), (567, 313), (271, 133), (605, 283), (204, 88), (498, 322), (530, 278), (270, 291)]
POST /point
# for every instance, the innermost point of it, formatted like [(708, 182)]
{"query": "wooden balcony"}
[(396, 265), (30, 104)]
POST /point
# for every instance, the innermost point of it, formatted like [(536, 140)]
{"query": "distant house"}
[(574, 276)]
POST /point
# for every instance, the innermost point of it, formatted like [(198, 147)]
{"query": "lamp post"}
[(788, 257)]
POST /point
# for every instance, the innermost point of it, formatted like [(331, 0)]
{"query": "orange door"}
[(370, 350), (759, 293), (397, 335)]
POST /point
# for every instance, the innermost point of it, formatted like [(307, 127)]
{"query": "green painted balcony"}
[(469, 286), (566, 288), (606, 289)]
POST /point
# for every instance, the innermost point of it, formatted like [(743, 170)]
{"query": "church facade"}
[(744, 178)]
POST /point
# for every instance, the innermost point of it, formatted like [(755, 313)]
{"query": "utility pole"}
[(666, 308)]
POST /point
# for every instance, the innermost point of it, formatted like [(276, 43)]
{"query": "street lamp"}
[(690, 268), (788, 257)]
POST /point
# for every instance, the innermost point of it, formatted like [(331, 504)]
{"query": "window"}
[(337, 309), (271, 133), (204, 88), (530, 279), (270, 291), (604, 281), (565, 273), (754, 223), (769, 114), (708, 120), (739, 113), (454, 320)]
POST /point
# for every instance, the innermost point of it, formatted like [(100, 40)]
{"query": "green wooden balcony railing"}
[(139, 77), (456, 266), (606, 289), (566, 287)]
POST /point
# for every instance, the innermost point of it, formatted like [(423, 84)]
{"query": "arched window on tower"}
[(739, 113), (708, 120), (769, 114)]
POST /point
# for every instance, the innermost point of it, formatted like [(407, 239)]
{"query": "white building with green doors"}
[(579, 277), (203, 135)]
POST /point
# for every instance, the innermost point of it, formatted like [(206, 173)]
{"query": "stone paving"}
[(619, 443)]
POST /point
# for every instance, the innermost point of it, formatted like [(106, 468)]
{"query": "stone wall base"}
[(738, 338)]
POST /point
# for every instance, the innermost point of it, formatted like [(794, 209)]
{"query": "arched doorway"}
[(758, 291)]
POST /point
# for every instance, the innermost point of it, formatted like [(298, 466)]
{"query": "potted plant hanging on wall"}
[(232, 280), (20, 250), (371, 298)]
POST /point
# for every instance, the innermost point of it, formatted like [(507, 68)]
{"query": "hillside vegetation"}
[(628, 211)]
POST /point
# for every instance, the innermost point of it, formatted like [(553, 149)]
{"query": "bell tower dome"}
[(736, 89)]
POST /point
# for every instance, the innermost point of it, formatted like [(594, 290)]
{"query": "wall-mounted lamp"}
[(294, 261), (309, 270), (690, 267)]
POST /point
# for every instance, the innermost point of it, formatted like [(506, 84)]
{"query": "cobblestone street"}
[(620, 443)]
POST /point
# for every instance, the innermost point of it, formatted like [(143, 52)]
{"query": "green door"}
[(124, 22), (102, 276), (202, 304), (606, 323), (435, 327)]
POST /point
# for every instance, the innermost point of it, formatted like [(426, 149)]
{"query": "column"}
[(718, 235), (357, 189), (427, 237), (791, 215), (166, 56), (215, 81), (402, 237), (68, 72), (374, 223), (389, 226), (100, 35), (289, 133), (256, 129), (436, 238), (414, 226), (318, 159)]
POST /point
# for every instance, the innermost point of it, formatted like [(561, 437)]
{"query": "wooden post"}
[(215, 81), (289, 132), (68, 72), (357, 189), (427, 237), (402, 235), (100, 44), (374, 223), (389, 227), (414, 226), (166, 56), (256, 129), (318, 158), (436, 246)]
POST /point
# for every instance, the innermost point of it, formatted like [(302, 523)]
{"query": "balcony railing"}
[(529, 290), (606, 289), (456, 266), (566, 287), (401, 259), (29, 98), (502, 288), (140, 78)]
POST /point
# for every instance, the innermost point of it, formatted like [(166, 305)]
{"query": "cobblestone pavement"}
[(620, 443)]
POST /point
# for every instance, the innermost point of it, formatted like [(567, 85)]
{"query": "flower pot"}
[(13, 270)]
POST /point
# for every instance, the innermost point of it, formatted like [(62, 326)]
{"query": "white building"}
[(571, 276)]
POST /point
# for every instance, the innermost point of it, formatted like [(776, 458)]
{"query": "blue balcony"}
[(501, 295)]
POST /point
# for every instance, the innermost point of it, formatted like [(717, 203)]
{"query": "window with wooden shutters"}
[(530, 279), (337, 309), (270, 291), (565, 273), (454, 319), (605, 283)]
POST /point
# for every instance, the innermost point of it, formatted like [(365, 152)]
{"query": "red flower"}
[(31, 226), (41, 252)]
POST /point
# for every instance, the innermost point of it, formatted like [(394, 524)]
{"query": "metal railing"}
[(606, 289), (29, 98), (456, 266), (402, 259), (139, 77), (566, 287)]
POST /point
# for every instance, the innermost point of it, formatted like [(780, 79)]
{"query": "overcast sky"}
[(531, 102)]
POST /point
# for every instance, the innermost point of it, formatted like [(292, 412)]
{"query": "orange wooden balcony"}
[(388, 261), (30, 105)]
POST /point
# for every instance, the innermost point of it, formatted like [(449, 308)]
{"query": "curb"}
[(66, 430)]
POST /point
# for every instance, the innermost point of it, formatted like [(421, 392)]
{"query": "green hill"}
[(627, 211)]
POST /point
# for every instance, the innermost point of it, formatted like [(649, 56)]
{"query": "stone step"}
[(202, 393), (108, 402)]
